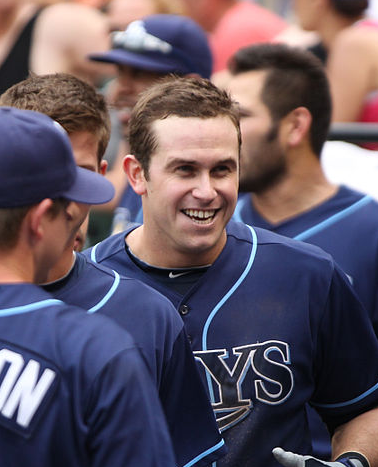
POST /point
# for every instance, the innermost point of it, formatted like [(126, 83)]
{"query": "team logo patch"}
[(258, 372)]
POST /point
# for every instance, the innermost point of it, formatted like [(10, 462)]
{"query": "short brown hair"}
[(179, 96), (294, 78), (70, 101)]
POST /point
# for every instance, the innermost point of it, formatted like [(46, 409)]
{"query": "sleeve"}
[(124, 416), (191, 421), (346, 367)]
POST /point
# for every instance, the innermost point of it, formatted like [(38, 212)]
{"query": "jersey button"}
[(184, 310)]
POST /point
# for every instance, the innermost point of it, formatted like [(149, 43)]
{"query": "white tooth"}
[(201, 214)]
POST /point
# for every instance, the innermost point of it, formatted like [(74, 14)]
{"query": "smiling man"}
[(262, 311)]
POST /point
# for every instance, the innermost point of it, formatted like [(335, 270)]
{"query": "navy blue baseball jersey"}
[(74, 390), (159, 332), (346, 226), (274, 324)]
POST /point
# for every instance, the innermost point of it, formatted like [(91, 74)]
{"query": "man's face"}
[(58, 233), (192, 188), (129, 84), (262, 156), (84, 146)]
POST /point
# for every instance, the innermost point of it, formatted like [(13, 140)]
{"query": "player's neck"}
[(153, 251), (294, 194), (62, 267), (16, 267)]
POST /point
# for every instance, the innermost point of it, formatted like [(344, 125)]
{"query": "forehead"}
[(189, 136), (246, 87), (85, 146)]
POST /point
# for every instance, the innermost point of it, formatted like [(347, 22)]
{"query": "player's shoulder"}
[(108, 248), (275, 244), (50, 326), (123, 290), (83, 328), (359, 208)]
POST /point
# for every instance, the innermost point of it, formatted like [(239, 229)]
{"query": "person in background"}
[(285, 108), (122, 12), (262, 311), (44, 38), (233, 24), (349, 41)]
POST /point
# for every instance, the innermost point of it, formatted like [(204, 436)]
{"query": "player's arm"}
[(352, 420), (353, 445), (359, 434)]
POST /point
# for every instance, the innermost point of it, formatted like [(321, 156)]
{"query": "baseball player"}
[(74, 390), (307, 206), (149, 316), (284, 188), (273, 323)]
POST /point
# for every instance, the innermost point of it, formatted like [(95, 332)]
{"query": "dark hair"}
[(12, 218), (180, 96), (295, 78), (350, 7), (70, 101)]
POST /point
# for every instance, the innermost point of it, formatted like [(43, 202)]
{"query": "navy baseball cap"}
[(36, 162), (163, 44)]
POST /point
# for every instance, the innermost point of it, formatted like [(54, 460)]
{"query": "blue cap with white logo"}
[(163, 44)]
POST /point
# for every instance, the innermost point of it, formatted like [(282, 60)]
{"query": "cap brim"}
[(151, 62), (90, 188)]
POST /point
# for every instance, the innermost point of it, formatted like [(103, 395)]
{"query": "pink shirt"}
[(243, 24)]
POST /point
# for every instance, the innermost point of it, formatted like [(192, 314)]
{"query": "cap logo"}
[(136, 39)]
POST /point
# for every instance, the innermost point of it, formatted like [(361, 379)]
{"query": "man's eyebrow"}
[(180, 161)]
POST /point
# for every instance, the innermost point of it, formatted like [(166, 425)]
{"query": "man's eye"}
[(185, 168), (221, 169)]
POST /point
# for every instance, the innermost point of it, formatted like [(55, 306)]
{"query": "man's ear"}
[(298, 123), (135, 174), (36, 218)]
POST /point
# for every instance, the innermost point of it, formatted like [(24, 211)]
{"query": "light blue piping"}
[(333, 219), (239, 206), (352, 401), (317, 228), (30, 307), (108, 296), (93, 253), (204, 454), (225, 298)]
